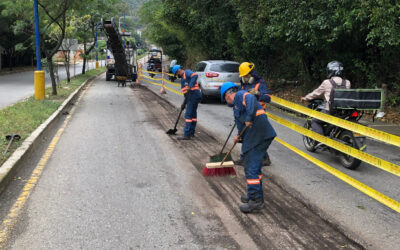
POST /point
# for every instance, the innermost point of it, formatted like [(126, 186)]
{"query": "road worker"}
[(334, 72), (191, 90), (254, 84), (255, 141)]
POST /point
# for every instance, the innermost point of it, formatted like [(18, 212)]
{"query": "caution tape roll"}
[(355, 127), (370, 159), (389, 202)]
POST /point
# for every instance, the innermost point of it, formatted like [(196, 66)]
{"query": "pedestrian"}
[(254, 84), (255, 141), (191, 90)]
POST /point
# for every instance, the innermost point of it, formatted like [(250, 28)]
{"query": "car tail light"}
[(211, 74), (354, 114)]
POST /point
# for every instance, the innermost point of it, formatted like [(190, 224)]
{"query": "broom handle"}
[(227, 139), (234, 144)]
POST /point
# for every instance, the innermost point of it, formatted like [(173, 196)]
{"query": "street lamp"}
[(39, 81)]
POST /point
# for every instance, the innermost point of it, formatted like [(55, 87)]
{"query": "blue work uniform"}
[(256, 139), (190, 88), (260, 85)]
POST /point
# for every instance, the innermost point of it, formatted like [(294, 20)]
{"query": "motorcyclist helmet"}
[(334, 68)]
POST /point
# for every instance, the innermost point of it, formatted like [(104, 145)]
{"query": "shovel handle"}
[(227, 139), (8, 146), (234, 144)]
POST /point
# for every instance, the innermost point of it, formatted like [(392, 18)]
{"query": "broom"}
[(220, 156), (222, 168)]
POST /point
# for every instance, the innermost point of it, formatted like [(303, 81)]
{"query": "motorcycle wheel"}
[(308, 142), (348, 161)]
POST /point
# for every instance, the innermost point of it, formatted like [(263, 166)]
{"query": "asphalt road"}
[(116, 181), (376, 224), (17, 86)]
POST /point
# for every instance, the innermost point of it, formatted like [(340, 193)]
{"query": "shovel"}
[(173, 131), (11, 138), (221, 155)]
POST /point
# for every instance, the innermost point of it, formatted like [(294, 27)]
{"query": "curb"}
[(16, 160), (2, 73)]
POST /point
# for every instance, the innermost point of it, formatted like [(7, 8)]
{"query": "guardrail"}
[(354, 127)]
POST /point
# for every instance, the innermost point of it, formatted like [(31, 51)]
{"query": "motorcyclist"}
[(334, 72)]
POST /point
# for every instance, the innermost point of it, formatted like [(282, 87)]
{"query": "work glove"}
[(254, 92)]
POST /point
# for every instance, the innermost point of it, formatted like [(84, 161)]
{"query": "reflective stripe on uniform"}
[(194, 74), (257, 86), (185, 89), (194, 119), (253, 181), (260, 176), (244, 98), (196, 87), (188, 120), (260, 112)]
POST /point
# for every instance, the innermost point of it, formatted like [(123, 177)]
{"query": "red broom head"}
[(210, 172)]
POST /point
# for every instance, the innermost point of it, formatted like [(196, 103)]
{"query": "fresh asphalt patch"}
[(285, 223)]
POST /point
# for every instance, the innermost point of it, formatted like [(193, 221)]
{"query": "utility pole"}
[(39, 80), (97, 56)]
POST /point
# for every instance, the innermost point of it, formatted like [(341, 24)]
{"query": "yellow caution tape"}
[(172, 83), (152, 72), (152, 78), (355, 127), (169, 74), (159, 84), (374, 161), (393, 204)]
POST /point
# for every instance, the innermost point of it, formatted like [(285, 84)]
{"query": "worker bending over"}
[(191, 90), (255, 141)]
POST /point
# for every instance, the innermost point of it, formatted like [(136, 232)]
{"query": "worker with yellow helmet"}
[(254, 84)]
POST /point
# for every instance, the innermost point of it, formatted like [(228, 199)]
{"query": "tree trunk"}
[(66, 64), (52, 76), (84, 58)]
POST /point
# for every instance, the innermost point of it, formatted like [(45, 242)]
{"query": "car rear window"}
[(225, 67)]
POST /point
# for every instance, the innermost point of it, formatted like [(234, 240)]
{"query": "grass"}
[(24, 117)]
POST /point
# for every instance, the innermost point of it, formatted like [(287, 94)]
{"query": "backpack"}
[(335, 86)]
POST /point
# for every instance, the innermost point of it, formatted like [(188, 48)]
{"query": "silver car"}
[(213, 73)]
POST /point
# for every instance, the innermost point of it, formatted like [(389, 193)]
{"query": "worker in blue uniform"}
[(255, 141), (254, 84), (191, 90)]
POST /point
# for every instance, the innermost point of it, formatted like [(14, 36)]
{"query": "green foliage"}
[(286, 39)]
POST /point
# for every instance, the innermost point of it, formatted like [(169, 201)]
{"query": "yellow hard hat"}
[(245, 68)]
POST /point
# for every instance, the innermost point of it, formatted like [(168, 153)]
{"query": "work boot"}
[(266, 161), (252, 206), (183, 138), (244, 198)]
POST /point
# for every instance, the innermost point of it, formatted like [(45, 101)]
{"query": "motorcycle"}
[(338, 134), (151, 67)]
